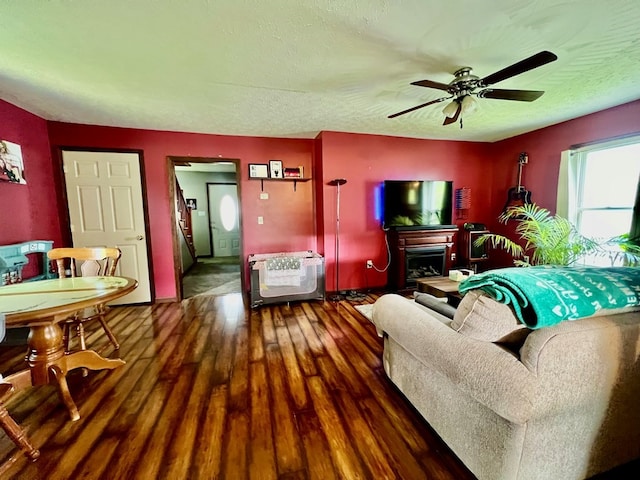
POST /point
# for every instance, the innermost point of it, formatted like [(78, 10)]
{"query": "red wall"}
[(365, 161), (540, 175), (28, 212), (288, 215), (304, 219), (544, 146)]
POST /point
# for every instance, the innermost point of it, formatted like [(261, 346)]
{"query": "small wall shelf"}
[(295, 181)]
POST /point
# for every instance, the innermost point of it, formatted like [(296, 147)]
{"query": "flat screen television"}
[(414, 203)]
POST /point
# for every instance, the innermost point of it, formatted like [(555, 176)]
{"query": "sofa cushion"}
[(480, 317), (436, 304)]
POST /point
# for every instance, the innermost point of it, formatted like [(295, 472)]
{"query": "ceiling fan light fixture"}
[(469, 105), (465, 84), (450, 109)]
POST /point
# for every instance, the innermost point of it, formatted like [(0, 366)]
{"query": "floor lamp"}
[(336, 183)]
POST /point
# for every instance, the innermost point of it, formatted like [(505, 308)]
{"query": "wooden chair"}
[(98, 261), (8, 424)]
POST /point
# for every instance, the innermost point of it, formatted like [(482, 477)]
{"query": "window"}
[(607, 186), (598, 187), (228, 212)]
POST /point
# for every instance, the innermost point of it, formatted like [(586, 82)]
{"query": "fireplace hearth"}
[(419, 253)]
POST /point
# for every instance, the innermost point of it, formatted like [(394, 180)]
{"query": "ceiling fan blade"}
[(418, 106), (534, 61), (518, 95), (454, 119), (431, 84)]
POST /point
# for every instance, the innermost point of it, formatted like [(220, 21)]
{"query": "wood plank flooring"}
[(212, 389)]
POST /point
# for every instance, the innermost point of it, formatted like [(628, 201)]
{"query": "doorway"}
[(209, 188)]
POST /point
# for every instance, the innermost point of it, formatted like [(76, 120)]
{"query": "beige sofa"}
[(561, 402)]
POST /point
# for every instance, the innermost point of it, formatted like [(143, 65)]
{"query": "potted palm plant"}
[(547, 239)]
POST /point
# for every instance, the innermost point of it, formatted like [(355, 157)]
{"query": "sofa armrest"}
[(485, 371), (589, 362)]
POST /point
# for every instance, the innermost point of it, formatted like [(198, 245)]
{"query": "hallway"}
[(212, 276)]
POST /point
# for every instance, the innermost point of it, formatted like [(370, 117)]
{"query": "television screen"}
[(417, 203)]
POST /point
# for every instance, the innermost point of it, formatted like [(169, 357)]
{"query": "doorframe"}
[(172, 162), (65, 217)]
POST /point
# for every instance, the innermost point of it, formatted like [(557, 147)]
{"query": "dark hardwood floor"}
[(212, 389)]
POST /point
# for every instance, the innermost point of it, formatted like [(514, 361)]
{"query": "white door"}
[(224, 219), (104, 193)]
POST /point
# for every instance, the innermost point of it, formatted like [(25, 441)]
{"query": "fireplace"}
[(419, 253), (424, 262)]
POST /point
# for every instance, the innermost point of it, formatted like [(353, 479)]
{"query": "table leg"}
[(63, 388), (47, 361), (82, 359), (91, 360)]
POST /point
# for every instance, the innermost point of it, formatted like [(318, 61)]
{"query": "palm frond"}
[(500, 241), (553, 240)]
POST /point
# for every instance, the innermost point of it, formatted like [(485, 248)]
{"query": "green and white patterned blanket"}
[(283, 271), (284, 263), (542, 296)]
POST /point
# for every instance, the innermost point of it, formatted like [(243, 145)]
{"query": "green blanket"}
[(542, 296)]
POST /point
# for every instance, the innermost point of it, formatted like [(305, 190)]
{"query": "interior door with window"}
[(224, 219), (104, 195)]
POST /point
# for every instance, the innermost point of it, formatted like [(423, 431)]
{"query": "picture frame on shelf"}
[(292, 172), (258, 170), (275, 169)]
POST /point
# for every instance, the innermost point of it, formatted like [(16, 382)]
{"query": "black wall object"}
[(470, 226)]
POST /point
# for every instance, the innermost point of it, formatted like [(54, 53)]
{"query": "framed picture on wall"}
[(11, 165), (258, 170), (275, 169), (192, 203)]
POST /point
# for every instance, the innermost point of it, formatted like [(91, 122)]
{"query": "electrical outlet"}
[(369, 263)]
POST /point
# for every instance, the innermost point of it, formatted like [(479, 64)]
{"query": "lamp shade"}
[(450, 109), (469, 105)]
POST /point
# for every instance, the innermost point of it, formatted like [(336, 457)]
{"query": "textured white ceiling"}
[(293, 68)]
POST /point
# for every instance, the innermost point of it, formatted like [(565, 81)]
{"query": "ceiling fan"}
[(465, 84)]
